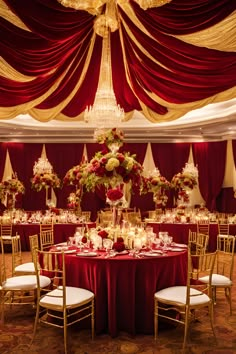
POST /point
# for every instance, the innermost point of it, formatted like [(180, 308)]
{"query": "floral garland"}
[(11, 186), (109, 136), (112, 169), (45, 180)]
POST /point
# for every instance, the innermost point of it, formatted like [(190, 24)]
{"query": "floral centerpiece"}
[(75, 176), (187, 179), (109, 137), (112, 169), (185, 182), (13, 186), (44, 176), (45, 180), (158, 185)]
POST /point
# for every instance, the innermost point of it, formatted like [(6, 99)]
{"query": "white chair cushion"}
[(25, 282), (25, 267), (7, 238), (217, 280), (178, 294), (74, 296)]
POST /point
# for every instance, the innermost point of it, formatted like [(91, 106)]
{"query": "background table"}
[(61, 232), (180, 231), (124, 287)]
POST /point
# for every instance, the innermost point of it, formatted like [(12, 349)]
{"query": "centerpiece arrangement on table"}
[(9, 189)]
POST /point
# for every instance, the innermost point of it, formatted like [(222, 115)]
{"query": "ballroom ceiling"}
[(173, 66)]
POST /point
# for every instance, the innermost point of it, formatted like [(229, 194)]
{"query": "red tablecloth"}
[(180, 232), (124, 287), (61, 232)]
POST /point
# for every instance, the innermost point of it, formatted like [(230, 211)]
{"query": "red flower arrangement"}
[(114, 194), (103, 234), (119, 246)]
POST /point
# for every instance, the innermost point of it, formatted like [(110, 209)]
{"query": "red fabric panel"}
[(210, 159), (185, 16)]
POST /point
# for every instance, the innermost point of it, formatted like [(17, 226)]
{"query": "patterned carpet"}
[(16, 334)]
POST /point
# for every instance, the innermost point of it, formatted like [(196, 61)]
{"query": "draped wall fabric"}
[(210, 158), (166, 60)]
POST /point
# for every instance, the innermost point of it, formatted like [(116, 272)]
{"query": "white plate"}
[(122, 252), (70, 251), (179, 245), (61, 244), (151, 254), (175, 249), (86, 254)]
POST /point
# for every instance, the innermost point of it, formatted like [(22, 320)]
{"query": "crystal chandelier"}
[(105, 112), (42, 166)]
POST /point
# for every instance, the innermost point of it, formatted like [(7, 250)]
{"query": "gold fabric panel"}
[(10, 16), (221, 36)]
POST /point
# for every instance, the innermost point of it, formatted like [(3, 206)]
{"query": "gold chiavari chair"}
[(223, 270), (62, 305), (86, 215), (187, 302), (18, 290), (197, 242)]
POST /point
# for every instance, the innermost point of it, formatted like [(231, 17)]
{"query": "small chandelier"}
[(105, 112)]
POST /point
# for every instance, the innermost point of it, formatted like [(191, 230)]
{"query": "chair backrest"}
[(105, 218), (134, 217), (51, 265), (86, 215), (34, 244), (2, 264), (225, 256), (197, 242), (46, 227), (203, 227), (46, 239), (225, 243), (16, 252), (199, 266), (6, 229), (223, 229)]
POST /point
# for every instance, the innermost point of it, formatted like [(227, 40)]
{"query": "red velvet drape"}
[(210, 159)]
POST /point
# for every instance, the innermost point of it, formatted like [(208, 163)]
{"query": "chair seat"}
[(25, 267), (74, 297), (25, 282), (178, 294), (217, 280)]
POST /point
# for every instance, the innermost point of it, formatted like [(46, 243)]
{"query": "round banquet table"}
[(124, 287)]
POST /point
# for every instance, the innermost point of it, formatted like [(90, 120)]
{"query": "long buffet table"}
[(61, 232), (180, 231), (124, 287)]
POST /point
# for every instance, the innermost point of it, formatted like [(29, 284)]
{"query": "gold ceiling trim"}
[(91, 6)]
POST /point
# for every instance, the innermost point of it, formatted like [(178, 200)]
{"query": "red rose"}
[(119, 246), (114, 194), (84, 239), (120, 239), (103, 233)]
